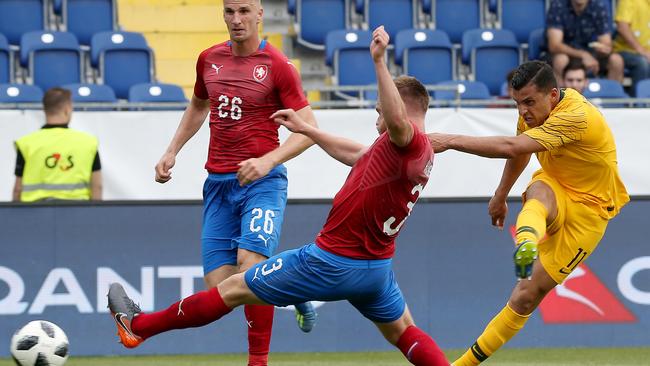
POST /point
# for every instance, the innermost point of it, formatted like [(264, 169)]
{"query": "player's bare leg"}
[(539, 211), (526, 296), (418, 347), (259, 318), (529, 293), (215, 277)]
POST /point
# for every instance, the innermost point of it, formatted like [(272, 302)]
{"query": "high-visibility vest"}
[(58, 164)]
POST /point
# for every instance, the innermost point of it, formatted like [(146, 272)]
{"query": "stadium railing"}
[(340, 104)]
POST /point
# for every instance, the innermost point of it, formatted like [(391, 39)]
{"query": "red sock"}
[(260, 324), (194, 311), (420, 349)]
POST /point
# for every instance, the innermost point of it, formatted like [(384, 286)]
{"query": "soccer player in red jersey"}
[(241, 82), (351, 257)]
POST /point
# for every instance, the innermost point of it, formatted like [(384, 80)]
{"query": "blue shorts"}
[(248, 217), (311, 273)]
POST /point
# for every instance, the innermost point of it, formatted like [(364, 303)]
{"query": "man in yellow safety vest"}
[(55, 162)]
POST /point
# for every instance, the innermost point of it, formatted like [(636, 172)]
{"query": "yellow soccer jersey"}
[(580, 154)]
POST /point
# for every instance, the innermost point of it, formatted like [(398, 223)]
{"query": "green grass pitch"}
[(505, 357)]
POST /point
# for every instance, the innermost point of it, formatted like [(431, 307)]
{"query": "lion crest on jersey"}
[(260, 72)]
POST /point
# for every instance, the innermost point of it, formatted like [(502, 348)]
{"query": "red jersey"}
[(376, 199), (243, 93)]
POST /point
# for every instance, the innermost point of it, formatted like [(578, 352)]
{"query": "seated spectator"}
[(633, 39), (581, 29), (574, 76)]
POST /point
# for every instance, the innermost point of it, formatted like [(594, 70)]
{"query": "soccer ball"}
[(39, 343)]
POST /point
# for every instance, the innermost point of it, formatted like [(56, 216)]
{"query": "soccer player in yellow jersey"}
[(568, 202)]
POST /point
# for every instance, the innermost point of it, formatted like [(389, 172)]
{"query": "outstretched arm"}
[(392, 107), (255, 168), (489, 147), (344, 150)]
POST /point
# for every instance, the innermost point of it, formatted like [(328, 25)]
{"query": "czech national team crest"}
[(260, 72)]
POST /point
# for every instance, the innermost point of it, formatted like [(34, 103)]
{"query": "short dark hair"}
[(537, 72), (55, 99), (412, 91), (574, 64)]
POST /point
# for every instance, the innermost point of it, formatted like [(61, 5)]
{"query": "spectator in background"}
[(633, 39), (55, 162), (581, 29), (574, 76)]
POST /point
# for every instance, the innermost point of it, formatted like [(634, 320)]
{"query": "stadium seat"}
[(467, 90), (642, 89), (504, 89), (604, 88), (91, 93), (52, 58), (20, 93), (21, 16), (123, 58), (491, 53), (346, 52), (457, 16), (6, 73), (394, 15), (425, 54), (86, 17), (316, 18), (522, 17), (159, 93), (536, 43)]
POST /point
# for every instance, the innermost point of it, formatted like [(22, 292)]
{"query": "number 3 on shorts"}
[(266, 225)]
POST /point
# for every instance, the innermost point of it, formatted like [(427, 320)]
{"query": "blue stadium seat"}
[(6, 72), (86, 17), (425, 54), (394, 15), (467, 89), (123, 58), (21, 16), (642, 89), (604, 88), (346, 51), (536, 43), (457, 16), (156, 92), (504, 89), (52, 58), (91, 93), (316, 18), (522, 17), (20, 93), (492, 53)]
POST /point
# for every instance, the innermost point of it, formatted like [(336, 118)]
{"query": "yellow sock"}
[(502, 327), (531, 222)]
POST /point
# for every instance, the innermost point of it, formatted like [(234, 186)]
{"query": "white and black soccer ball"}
[(39, 343)]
